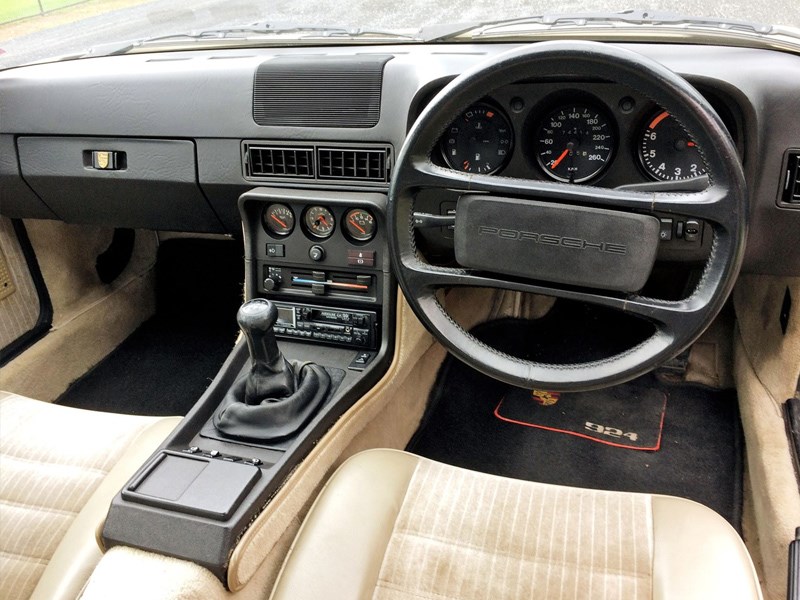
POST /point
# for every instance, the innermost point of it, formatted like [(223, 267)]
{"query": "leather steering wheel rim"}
[(723, 205)]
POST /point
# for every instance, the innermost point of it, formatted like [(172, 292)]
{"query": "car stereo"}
[(342, 327)]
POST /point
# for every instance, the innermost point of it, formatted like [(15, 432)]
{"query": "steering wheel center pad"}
[(574, 245)]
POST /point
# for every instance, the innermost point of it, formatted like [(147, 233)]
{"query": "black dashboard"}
[(192, 131)]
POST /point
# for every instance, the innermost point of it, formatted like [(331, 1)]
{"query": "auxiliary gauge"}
[(667, 152), (478, 141), (359, 224), (319, 222), (278, 219), (574, 143)]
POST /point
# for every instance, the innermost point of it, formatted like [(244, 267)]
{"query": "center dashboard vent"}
[(264, 161), (790, 190), (353, 163), (362, 163)]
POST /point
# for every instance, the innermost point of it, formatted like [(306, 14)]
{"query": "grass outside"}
[(11, 10), (61, 13)]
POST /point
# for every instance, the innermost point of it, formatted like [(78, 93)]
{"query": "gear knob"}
[(256, 318), (258, 314)]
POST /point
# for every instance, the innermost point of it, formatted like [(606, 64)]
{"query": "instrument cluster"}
[(318, 222), (581, 135)]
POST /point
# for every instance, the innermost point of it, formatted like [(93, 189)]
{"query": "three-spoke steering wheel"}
[(578, 242)]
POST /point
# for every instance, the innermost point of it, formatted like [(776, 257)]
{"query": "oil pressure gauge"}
[(278, 219), (359, 224)]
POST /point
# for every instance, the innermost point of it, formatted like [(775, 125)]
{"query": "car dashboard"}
[(193, 131), (292, 150)]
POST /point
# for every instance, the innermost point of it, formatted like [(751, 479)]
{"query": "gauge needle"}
[(274, 218), (356, 225), (557, 161), (691, 144), (322, 219)]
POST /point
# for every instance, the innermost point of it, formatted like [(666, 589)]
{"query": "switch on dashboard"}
[(361, 258), (692, 231), (665, 231)]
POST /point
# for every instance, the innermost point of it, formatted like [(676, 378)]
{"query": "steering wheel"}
[(590, 244)]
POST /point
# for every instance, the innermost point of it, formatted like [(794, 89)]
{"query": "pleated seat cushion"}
[(59, 469)]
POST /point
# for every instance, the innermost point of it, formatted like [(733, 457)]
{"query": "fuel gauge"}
[(319, 222), (359, 224)]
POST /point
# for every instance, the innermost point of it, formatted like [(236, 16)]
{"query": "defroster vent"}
[(352, 163), (790, 192), (267, 161)]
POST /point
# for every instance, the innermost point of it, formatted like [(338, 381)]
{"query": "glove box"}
[(124, 182)]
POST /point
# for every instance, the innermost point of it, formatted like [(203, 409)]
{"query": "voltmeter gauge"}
[(667, 152), (478, 141), (278, 219), (319, 222), (359, 224)]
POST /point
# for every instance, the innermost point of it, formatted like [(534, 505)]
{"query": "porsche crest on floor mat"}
[(627, 416)]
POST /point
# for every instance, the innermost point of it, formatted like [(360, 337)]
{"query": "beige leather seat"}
[(59, 469), (393, 526)]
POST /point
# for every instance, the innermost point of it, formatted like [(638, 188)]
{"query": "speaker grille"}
[(337, 91)]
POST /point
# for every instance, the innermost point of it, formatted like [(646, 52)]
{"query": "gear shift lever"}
[(271, 375), (274, 398)]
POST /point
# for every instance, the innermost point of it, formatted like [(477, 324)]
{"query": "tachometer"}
[(574, 142), (478, 141), (667, 152)]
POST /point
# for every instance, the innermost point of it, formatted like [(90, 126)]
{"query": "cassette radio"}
[(342, 327)]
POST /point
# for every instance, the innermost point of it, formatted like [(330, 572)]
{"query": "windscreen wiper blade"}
[(627, 18), (265, 31), (256, 33)]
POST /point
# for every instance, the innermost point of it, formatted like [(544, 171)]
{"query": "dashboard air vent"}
[(352, 163), (266, 161), (790, 193)]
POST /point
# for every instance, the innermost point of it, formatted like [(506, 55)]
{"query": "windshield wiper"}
[(255, 33), (628, 18)]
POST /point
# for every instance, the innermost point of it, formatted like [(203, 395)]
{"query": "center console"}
[(319, 257)]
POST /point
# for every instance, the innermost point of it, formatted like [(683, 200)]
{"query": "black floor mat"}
[(169, 361), (628, 416), (701, 449)]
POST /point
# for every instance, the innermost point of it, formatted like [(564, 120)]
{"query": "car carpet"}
[(631, 416), (164, 366), (701, 450)]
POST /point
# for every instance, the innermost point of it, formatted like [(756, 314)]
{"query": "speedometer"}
[(667, 152), (574, 142)]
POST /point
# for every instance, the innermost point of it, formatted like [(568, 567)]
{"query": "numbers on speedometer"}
[(667, 152), (478, 141), (574, 142)]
